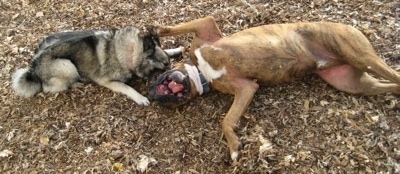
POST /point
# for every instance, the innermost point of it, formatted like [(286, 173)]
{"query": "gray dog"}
[(107, 57)]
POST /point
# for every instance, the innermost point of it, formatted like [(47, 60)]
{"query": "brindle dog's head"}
[(172, 89)]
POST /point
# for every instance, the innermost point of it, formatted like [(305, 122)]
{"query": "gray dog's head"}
[(156, 60)]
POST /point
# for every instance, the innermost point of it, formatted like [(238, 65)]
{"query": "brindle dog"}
[(267, 55)]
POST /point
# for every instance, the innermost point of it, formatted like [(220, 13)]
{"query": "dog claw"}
[(143, 101)]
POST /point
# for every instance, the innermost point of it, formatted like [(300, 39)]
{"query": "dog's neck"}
[(202, 85)]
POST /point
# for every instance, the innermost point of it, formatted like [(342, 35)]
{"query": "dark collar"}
[(204, 83)]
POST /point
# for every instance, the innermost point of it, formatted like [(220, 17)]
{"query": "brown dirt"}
[(301, 127)]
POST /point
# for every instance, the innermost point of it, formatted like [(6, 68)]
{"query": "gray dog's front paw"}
[(142, 101)]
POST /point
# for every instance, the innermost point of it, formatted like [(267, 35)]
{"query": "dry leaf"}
[(6, 153), (265, 145)]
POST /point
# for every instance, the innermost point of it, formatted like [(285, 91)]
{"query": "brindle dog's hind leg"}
[(351, 80), (360, 59)]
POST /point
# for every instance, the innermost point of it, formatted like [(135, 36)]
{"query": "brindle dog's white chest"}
[(208, 72)]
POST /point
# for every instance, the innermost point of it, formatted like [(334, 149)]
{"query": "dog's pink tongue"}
[(175, 87)]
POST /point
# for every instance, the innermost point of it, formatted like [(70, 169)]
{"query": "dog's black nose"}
[(166, 64)]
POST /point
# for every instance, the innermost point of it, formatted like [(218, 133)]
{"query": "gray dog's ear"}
[(152, 29), (148, 41), (149, 30), (144, 33)]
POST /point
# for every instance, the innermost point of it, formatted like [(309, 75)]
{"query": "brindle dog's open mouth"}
[(172, 83), (172, 86)]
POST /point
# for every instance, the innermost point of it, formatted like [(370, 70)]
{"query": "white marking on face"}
[(208, 72), (194, 76)]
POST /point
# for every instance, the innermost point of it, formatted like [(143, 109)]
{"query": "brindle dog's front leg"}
[(244, 90), (205, 28)]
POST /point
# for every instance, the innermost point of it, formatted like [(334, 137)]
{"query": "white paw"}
[(234, 156), (142, 101)]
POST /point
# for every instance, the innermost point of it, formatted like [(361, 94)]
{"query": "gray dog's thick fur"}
[(107, 57)]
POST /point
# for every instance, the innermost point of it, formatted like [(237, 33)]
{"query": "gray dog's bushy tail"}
[(26, 83)]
